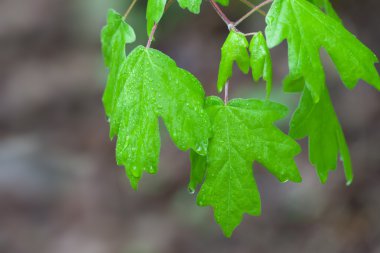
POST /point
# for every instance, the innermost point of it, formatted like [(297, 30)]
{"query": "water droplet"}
[(191, 190), (135, 171), (151, 170), (201, 148)]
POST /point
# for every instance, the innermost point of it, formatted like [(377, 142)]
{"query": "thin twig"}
[(129, 9), (252, 11), (226, 93), (151, 36), (251, 5), (221, 14), (250, 34)]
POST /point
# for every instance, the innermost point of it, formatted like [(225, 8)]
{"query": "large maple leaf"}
[(243, 132), (307, 29), (149, 86)]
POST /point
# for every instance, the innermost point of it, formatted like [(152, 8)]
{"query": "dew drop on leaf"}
[(135, 171), (151, 170), (191, 190), (199, 149)]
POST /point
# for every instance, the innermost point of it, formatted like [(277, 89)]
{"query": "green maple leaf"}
[(223, 2), (114, 36), (151, 86), (319, 123), (261, 62), (307, 29), (198, 170), (327, 7), (242, 132), (234, 49), (154, 12), (193, 6)]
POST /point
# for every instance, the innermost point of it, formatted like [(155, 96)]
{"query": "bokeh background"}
[(61, 191)]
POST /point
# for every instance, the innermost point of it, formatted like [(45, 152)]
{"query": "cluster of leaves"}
[(225, 138), (156, 8)]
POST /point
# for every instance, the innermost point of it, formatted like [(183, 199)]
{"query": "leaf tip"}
[(191, 187), (220, 86), (297, 178), (134, 182), (227, 233), (323, 176)]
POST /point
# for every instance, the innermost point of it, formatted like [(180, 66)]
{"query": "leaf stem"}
[(154, 28), (168, 4), (250, 34), (151, 36), (251, 5), (226, 88), (252, 11), (222, 15), (129, 9)]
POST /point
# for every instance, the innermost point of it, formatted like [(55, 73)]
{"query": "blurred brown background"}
[(61, 191)]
